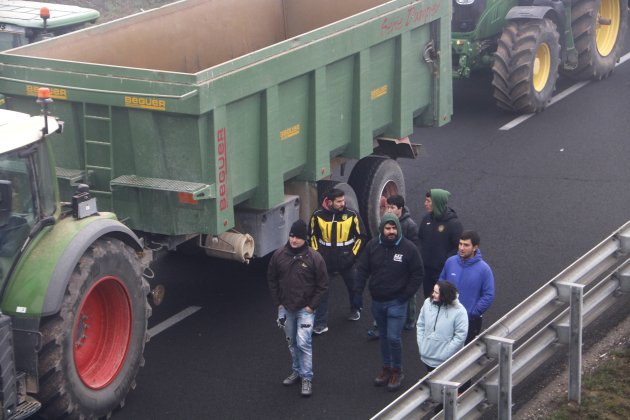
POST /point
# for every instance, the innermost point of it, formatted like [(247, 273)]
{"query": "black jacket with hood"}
[(439, 232), (297, 279), (394, 267), (409, 227)]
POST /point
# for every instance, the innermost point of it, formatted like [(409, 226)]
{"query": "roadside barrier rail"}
[(512, 348)]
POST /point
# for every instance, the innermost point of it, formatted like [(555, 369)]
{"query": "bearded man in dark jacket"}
[(395, 269), (338, 234), (298, 280), (438, 234)]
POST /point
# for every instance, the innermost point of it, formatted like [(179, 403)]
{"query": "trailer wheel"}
[(599, 28), (92, 349), (373, 179), (525, 65)]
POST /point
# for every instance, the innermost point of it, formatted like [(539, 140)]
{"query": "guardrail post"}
[(624, 241), (575, 294), (624, 279), (449, 396), (501, 349)]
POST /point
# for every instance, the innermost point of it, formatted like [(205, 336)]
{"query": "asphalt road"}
[(541, 194)]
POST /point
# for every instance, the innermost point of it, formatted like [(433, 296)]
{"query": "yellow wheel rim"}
[(608, 17), (542, 66)]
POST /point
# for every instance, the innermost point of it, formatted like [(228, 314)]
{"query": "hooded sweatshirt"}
[(394, 266), (474, 280), (441, 331), (439, 231)]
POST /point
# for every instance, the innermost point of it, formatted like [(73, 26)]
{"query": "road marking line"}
[(558, 97), (173, 320)]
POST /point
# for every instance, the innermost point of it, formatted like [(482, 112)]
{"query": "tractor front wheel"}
[(92, 349), (525, 66)]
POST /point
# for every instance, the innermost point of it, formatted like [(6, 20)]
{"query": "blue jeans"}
[(390, 317), (298, 330), (355, 299)]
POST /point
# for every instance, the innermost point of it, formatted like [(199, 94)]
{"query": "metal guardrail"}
[(517, 344)]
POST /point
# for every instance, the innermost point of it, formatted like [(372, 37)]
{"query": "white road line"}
[(557, 98), (173, 320)]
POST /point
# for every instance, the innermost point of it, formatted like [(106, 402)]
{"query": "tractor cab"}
[(24, 22), (27, 183)]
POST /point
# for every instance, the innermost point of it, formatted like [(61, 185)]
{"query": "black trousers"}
[(474, 327)]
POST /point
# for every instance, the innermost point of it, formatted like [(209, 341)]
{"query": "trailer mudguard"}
[(39, 282)]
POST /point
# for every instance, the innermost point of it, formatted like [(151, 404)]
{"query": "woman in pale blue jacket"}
[(442, 325)]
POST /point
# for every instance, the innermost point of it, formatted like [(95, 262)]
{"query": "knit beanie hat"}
[(298, 229)]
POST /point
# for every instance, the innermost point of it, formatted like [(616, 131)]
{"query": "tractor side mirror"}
[(6, 200)]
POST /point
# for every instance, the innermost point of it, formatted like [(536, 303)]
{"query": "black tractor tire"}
[(599, 46), (525, 68), (93, 348), (374, 178)]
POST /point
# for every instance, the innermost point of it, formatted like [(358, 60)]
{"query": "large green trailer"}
[(193, 117), (219, 120)]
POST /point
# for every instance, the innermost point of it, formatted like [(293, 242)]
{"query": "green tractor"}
[(73, 300), (528, 43), (24, 22)]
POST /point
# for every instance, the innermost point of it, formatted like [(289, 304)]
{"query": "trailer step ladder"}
[(98, 153)]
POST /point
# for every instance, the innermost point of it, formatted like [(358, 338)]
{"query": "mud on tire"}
[(92, 349), (525, 65), (598, 43)]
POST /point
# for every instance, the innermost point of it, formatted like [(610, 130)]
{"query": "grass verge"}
[(604, 392)]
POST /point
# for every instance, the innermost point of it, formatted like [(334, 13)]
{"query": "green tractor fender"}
[(553, 10), (41, 277)]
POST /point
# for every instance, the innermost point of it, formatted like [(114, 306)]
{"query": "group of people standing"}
[(402, 257)]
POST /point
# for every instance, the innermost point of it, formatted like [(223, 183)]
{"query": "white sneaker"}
[(320, 330)]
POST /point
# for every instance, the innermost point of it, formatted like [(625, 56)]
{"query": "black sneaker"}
[(395, 380), (307, 388), (292, 379), (372, 333), (354, 315)]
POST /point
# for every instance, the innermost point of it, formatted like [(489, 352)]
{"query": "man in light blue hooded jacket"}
[(442, 325)]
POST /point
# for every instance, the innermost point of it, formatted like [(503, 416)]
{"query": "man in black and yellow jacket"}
[(338, 234)]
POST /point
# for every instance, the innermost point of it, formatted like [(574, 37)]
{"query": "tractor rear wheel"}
[(599, 28), (92, 349), (525, 65)]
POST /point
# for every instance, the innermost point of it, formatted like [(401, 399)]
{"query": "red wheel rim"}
[(102, 333)]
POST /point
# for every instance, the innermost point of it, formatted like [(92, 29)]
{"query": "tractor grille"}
[(466, 17)]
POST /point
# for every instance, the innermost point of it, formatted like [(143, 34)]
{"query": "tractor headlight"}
[(464, 2)]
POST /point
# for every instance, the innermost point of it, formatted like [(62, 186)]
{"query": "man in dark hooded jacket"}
[(298, 280), (438, 233), (337, 233), (394, 267)]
